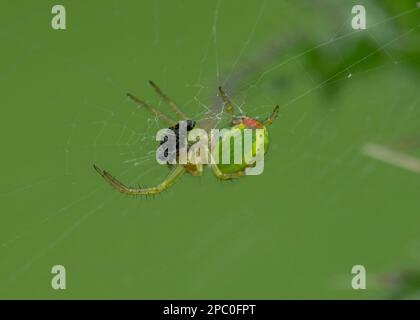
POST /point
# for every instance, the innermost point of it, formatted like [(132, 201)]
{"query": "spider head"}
[(174, 131)]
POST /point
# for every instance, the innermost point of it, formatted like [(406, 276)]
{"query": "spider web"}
[(254, 73)]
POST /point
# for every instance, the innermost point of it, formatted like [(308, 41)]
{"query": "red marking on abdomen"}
[(252, 123)]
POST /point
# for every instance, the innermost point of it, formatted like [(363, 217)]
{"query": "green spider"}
[(221, 171)]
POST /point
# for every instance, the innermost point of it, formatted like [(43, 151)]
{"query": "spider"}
[(221, 171)]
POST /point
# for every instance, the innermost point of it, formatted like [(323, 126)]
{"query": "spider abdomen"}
[(257, 144)]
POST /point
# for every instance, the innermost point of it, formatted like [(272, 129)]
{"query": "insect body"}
[(222, 171)]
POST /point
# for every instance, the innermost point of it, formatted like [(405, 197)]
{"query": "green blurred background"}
[(321, 205)]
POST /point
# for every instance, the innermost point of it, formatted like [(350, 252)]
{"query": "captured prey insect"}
[(221, 171)]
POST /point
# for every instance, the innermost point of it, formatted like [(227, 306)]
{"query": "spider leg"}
[(173, 176), (272, 116), (149, 108), (169, 101), (227, 103)]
